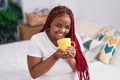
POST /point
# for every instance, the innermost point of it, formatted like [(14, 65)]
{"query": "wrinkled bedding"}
[(13, 64), (13, 61)]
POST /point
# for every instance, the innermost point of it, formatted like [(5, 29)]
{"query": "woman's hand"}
[(69, 53), (61, 54)]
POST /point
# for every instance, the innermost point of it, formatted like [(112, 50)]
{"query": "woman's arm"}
[(37, 67), (72, 63), (71, 52)]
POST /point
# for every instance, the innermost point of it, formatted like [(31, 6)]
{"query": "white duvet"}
[(13, 61), (13, 64)]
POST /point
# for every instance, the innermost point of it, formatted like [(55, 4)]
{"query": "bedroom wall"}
[(32, 4), (103, 12)]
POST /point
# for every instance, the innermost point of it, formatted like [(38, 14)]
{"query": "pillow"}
[(116, 58), (88, 28), (117, 34), (105, 34), (108, 49), (82, 36), (92, 47)]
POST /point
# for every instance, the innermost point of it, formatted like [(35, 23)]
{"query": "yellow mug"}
[(64, 43)]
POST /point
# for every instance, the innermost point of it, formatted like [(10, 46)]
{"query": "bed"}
[(13, 62)]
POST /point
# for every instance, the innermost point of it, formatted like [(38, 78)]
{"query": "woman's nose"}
[(62, 29)]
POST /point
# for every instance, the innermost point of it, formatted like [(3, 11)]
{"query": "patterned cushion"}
[(92, 46), (116, 58), (117, 34), (108, 49)]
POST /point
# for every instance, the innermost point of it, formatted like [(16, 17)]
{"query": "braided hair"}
[(82, 67)]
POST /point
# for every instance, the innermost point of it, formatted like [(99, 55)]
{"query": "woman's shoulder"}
[(38, 36)]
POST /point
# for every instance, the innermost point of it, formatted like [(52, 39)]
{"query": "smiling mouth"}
[(61, 35)]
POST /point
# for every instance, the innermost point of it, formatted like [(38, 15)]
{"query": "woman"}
[(46, 61)]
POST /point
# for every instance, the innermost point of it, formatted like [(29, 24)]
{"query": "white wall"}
[(32, 4), (103, 12), (72, 4)]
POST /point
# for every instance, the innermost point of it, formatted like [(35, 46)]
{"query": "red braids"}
[(82, 67)]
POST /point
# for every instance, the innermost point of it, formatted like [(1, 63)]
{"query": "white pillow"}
[(82, 36), (92, 47), (88, 28)]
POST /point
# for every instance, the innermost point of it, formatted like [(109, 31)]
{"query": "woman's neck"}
[(53, 40)]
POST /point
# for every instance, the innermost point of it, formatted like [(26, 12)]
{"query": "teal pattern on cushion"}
[(100, 36), (111, 39), (108, 48), (117, 33), (113, 52)]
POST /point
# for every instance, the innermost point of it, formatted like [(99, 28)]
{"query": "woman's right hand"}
[(68, 55), (61, 54)]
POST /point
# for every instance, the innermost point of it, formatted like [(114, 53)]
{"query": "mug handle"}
[(73, 43)]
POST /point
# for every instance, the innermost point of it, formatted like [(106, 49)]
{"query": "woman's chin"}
[(60, 37)]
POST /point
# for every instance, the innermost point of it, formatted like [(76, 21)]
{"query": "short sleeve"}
[(33, 48), (80, 42)]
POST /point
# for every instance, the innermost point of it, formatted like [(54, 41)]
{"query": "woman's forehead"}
[(62, 15)]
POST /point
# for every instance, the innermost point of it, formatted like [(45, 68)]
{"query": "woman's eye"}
[(58, 25), (68, 27)]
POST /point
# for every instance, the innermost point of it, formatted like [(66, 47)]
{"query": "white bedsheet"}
[(13, 64), (101, 71), (13, 61)]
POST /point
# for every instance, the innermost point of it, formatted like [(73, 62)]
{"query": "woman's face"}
[(60, 27)]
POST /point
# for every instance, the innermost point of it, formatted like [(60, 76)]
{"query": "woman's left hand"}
[(71, 52)]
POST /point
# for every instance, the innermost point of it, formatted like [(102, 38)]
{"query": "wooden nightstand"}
[(25, 31)]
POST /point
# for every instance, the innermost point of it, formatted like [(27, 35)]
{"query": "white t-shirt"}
[(41, 46)]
